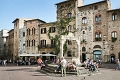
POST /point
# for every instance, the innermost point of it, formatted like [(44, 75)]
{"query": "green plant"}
[(98, 39), (114, 39), (83, 41)]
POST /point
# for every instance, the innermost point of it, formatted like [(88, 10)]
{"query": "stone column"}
[(62, 41)]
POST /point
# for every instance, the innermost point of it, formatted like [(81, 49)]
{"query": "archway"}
[(112, 58), (70, 36), (97, 54)]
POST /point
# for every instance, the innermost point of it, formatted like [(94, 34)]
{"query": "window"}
[(52, 42), (28, 31), (84, 20), (33, 42), (114, 16), (33, 31), (98, 36), (23, 34), (43, 30), (69, 28), (52, 29), (69, 42), (114, 36), (98, 18), (95, 7), (43, 42), (69, 15), (28, 43)]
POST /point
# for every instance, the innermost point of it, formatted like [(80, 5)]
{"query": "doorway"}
[(83, 57)]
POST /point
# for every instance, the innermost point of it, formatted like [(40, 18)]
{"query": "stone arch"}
[(112, 58), (97, 46), (70, 36), (83, 49)]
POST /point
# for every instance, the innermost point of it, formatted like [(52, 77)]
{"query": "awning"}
[(48, 55), (30, 54)]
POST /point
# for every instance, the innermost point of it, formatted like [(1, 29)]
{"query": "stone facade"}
[(3, 40), (18, 24), (47, 43), (95, 25), (32, 35), (11, 44)]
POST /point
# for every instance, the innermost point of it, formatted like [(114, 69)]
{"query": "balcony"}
[(46, 46)]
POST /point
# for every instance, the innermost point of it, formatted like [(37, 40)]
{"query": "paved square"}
[(107, 71)]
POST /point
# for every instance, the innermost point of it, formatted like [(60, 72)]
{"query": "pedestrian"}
[(39, 61), (63, 66), (4, 62), (118, 64)]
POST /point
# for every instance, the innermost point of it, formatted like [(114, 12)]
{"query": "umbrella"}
[(48, 55)]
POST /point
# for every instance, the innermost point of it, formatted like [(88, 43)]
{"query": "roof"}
[(22, 18), (63, 2), (114, 10), (93, 3), (11, 30), (35, 19)]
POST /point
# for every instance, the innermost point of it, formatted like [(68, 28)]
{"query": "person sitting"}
[(74, 65), (69, 65), (58, 67)]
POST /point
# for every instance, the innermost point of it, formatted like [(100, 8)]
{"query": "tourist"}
[(63, 66), (39, 61), (118, 64)]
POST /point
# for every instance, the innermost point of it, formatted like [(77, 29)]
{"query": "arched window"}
[(114, 16), (98, 36), (114, 36), (33, 31), (33, 42), (84, 20), (28, 31), (69, 15), (28, 43), (83, 49), (98, 18)]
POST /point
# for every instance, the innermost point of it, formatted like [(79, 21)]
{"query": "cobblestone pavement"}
[(107, 72)]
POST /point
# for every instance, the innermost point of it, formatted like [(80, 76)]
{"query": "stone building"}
[(32, 34), (113, 17), (3, 41), (11, 44), (97, 27), (18, 24), (47, 43)]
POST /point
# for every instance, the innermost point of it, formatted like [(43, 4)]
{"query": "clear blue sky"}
[(41, 9)]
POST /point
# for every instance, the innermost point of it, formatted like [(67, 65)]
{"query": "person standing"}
[(39, 61), (4, 62), (118, 64), (63, 66)]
